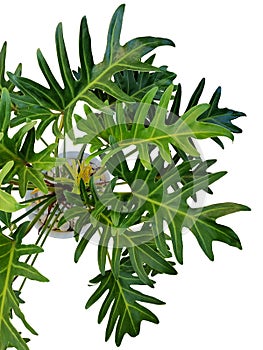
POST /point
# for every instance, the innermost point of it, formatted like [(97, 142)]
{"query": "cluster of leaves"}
[(91, 79), (11, 251), (160, 205), (129, 104)]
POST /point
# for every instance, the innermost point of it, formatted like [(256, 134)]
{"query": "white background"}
[(210, 305)]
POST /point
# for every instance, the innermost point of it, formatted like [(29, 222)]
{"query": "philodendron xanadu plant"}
[(135, 203)]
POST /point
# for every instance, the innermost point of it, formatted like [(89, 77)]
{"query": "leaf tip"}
[(171, 42), (4, 46), (59, 29), (246, 208), (211, 256), (76, 258), (218, 91), (121, 7), (84, 20), (180, 259)]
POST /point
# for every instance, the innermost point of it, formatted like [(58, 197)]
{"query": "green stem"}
[(40, 213), (45, 143), (26, 214), (46, 196), (60, 128)]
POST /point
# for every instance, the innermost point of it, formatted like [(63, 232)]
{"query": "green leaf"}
[(10, 267), (26, 109), (194, 100), (5, 111), (221, 116), (213, 115), (64, 66), (123, 303), (144, 254), (6, 218), (19, 149), (85, 51), (206, 229), (136, 84), (7, 167), (90, 77), (8, 203), (142, 134), (3, 82), (166, 201), (27, 165)]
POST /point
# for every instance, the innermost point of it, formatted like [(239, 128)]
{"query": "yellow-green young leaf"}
[(8, 203), (6, 168), (11, 267)]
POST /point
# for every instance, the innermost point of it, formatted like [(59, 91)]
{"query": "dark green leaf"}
[(3, 82), (28, 165), (10, 267), (172, 206), (213, 115), (85, 51), (137, 84), (144, 254), (194, 100), (123, 303), (206, 230), (157, 133), (90, 77), (221, 116), (5, 111)]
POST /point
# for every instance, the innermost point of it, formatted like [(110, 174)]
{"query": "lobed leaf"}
[(123, 303), (90, 77), (142, 133), (10, 267), (166, 201), (136, 84), (19, 149), (213, 115), (3, 82)]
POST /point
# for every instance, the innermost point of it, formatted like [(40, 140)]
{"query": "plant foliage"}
[(10, 267), (137, 183), (123, 302), (27, 164), (91, 76)]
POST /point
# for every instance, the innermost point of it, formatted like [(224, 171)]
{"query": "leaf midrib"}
[(161, 137), (99, 77), (127, 305)]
